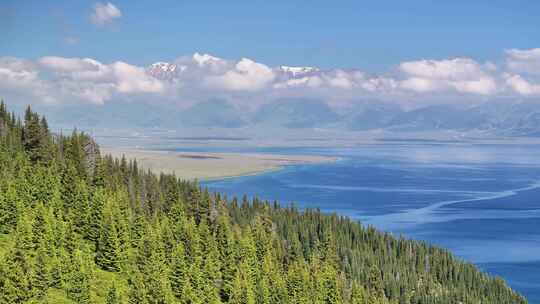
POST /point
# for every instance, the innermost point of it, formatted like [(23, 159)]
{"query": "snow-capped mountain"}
[(295, 72), (170, 71), (165, 70)]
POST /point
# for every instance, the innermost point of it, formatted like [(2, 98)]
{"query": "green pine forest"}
[(80, 227)]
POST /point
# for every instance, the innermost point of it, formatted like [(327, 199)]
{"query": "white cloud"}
[(133, 79), (522, 86), (96, 93), (333, 80), (60, 79), (15, 71), (25, 82), (307, 81), (206, 59), (456, 69), (527, 61), (420, 85), (61, 64), (247, 75), (463, 75), (104, 14), (124, 77), (202, 76), (340, 79), (17, 77), (379, 84), (481, 86), (22, 78)]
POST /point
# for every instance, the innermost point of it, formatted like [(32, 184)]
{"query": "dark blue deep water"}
[(480, 201)]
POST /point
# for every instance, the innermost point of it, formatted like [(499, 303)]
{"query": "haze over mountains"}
[(494, 118)]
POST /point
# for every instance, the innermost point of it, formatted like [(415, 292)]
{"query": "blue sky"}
[(371, 35)]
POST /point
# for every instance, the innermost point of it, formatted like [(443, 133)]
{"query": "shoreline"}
[(211, 166), (262, 171)]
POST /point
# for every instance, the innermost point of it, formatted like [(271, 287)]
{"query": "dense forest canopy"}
[(80, 227)]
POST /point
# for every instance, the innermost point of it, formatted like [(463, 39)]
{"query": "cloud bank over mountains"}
[(208, 92), (462, 75), (191, 79)]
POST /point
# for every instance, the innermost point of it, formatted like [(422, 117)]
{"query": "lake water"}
[(480, 201)]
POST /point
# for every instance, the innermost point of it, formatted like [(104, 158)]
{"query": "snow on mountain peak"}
[(164, 66), (165, 70), (297, 71)]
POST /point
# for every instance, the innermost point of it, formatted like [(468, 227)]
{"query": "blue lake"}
[(480, 201)]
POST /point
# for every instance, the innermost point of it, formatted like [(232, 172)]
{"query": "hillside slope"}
[(79, 227)]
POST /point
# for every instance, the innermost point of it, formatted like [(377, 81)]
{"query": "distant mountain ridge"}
[(295, 113), (499, 118)]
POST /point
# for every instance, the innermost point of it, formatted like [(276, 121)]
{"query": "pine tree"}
[(298, 284), (242, 291), (78, 283), (39, 277), (227, 256), (96, 202), (16, 287), (75, 154), (151, 260), (375, 284), (358, 294), (264, 285), (56, 268), (32, 135), (69, 181), (329, 286), (137, 289), (108, 255), (211, 273), (82, 213), (8, 208), (196, 279), (157, 284), (112, 296), (179, 272), (46, 149)]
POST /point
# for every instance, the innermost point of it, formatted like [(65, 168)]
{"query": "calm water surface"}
[(480, 201)]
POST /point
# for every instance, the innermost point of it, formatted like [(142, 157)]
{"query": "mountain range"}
[(496, 118), (493, 117)]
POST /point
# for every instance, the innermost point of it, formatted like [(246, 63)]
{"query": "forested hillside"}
[(80, 227)]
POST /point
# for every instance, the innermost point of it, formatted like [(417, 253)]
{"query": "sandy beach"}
[(205, 166)]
